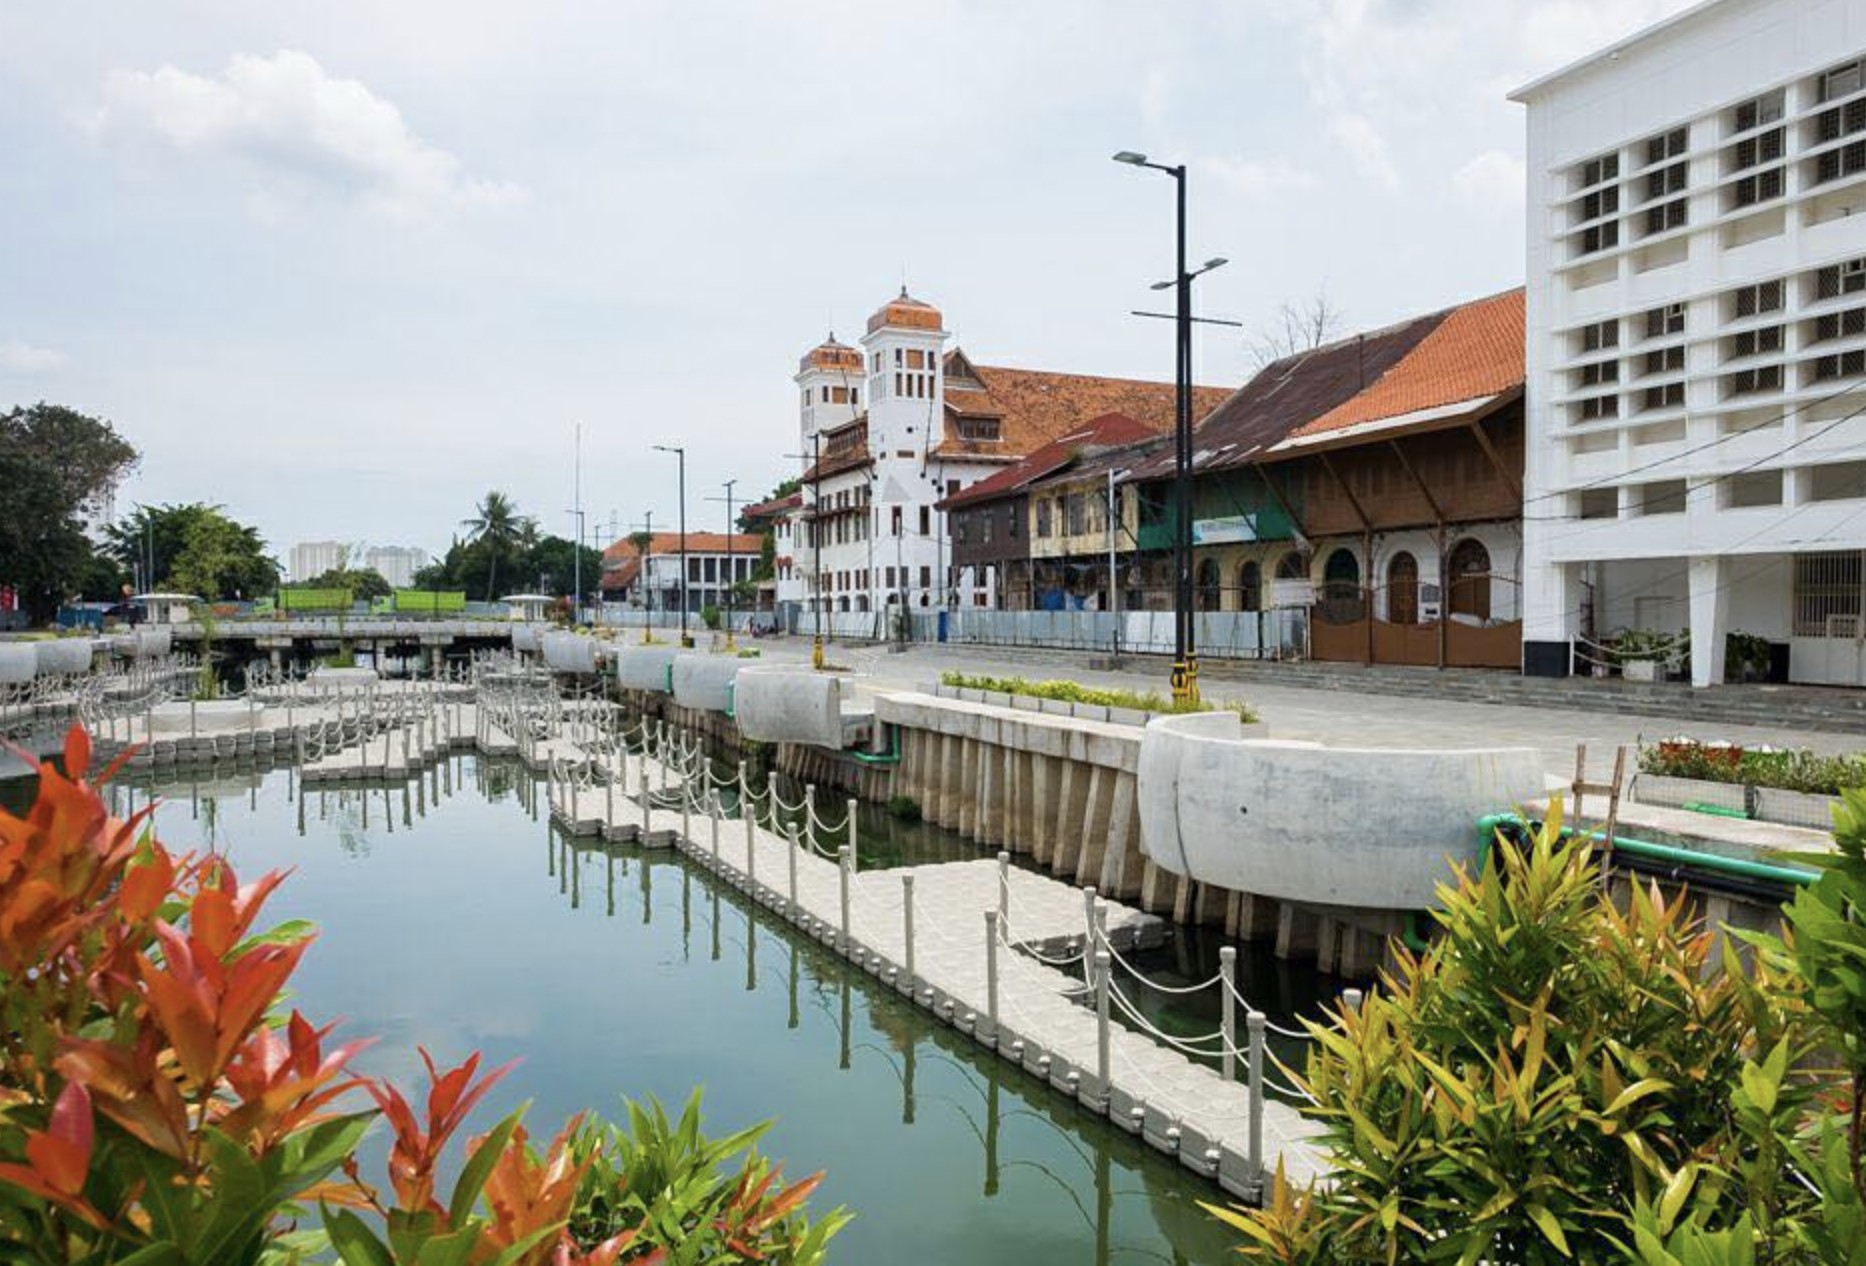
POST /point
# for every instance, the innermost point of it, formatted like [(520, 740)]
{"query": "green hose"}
[(1792, 876), (890, 757)]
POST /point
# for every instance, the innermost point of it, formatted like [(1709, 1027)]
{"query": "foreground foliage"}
[(1094, 696), (1562, 1079), (155, 1106)]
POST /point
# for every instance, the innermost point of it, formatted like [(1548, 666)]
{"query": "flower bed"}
[(1783, 769), (1075, 692)]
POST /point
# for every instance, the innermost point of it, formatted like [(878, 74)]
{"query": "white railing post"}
[(791, 857), (991, 975), (1254, 1023), (1104, 966), (809, 814), (1004, 890), (1089, 945), (853, 851), (1227, 992), (907, 919), (748, 809), (842, 871), (1352, 998)]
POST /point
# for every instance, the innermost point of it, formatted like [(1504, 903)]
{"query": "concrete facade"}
[(1697, 339)]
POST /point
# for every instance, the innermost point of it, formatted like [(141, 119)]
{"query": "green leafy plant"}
[(1798, 770), (157, 1108), (1514, 1093), (904, 808), (1093, 696)]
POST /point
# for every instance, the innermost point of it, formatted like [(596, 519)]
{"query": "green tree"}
[(497, 533), (362, 582), (195, 548), (57, 467), (552, 563)]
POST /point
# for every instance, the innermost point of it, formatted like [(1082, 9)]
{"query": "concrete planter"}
[(997, 699), (1646, 670), (1763, 804), (1129, 716), (1089, 711), (1027, 703), (1058, 707)]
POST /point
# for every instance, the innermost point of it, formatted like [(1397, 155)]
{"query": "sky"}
[(343, 267)]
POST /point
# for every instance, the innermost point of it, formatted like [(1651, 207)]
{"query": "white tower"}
[(830, 385), (906, 394)]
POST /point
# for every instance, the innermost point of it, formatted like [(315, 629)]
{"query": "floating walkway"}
[(995, 952)]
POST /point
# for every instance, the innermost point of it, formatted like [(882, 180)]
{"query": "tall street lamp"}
[(729, 485), (1185, 652), (681, 453)]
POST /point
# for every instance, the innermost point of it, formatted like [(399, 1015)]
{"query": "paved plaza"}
[(1335, 717)]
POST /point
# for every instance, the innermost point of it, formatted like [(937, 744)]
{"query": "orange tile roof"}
[(1475, 353), (664, 543), (1035, 407), (1107, 431)]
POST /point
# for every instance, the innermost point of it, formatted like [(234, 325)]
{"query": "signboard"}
[(1224, 531)]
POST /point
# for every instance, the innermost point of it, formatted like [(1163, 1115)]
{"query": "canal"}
[(454, 917)]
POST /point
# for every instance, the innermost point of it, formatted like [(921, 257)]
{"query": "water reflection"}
[(439, 929)]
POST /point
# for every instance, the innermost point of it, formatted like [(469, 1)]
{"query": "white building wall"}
[(1743, 403)]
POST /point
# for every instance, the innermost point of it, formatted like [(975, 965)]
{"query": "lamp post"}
[(1185, 652), (681, 453), (728, 499)]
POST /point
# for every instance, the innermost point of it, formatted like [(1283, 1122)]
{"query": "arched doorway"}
[(1342, 570), (1206, 585), (1468, 574), (1341, 600), (1250, 587), (1403, 589)]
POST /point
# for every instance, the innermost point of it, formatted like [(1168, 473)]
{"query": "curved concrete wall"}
[(790, 705), (154, 642), (219, 716), (64, 655), (569, 652), (644, 667), (704, 682), (329, 680), (524, 637), (19, 662), (1364, 827)]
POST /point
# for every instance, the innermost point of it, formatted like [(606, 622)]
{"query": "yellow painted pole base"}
[(816, 654)]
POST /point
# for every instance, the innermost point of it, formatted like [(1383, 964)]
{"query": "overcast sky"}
[(344, 266)]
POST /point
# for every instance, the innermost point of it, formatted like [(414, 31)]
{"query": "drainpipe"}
[(1412, 934), (890, 757)]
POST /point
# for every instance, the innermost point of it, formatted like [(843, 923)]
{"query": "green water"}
[(454, 917)]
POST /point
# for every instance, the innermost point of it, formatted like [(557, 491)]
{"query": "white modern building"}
[(310, 559), (396, 564), (1696, 325), (649, 579), (893, 428)]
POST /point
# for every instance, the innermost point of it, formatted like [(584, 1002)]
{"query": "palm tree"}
[(498, 524)]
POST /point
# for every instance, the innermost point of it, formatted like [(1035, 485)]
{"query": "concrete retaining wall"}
[(525, 637), (645, 668), (704, 682), (63, 655), (790, 705), (1368, 828), (567, 652), (19, 662)]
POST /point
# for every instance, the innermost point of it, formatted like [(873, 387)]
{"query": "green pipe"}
[(1715, 810), (1412, 935), (890, 757)]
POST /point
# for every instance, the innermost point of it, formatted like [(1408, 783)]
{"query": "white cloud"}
[(1493, 179), (290, 119), (1367, 146), (1256, 179), (23, 358)]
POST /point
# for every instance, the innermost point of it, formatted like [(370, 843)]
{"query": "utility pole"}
[(679, 451), (815, 519), (647, 579), (576, 554), (729, 577)]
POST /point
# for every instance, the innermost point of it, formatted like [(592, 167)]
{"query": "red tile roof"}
[(1107, 431), (665, 543), (1035, 406), (1475, 353)]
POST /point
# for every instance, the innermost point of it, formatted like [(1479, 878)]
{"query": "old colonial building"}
[(892, 429)]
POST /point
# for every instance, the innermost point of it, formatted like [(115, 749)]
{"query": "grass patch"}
[(1093, 696)]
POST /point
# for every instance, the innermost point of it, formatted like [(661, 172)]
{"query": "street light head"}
[(1161, 285), (1216, 261), (1129, 157)]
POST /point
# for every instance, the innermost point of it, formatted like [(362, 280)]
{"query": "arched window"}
[(1342, 569), (1250, 587), (1207, 586), (1403, 589), (1469, 579), (1291, 567)]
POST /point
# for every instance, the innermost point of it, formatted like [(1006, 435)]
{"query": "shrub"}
[(904, 808), (1515, 1092), (709, 616), (1785, 770), (1093, 696), (155, 1106)]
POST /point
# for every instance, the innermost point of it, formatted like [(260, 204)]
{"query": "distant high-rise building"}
[(311, 559), (396, 564)]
